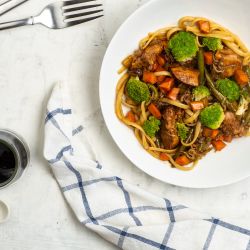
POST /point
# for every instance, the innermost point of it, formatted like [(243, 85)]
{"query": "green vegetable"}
[(212, 116), (212, 43), (151, 126), (221, 98), (201, 66), (155, 93), (138, 91), (183, 46), (201, 92), (182, 130), (229, 89)]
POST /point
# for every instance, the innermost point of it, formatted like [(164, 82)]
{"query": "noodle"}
[(175, 103), (192, 118), (196, 134)]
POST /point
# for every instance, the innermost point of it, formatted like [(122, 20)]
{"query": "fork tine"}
[(71, 2), (72, 23), (81, 8), (82, 14)]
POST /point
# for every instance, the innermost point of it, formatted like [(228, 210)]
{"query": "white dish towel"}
[(120, 212)]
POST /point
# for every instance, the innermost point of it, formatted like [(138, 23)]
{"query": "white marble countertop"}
[(32, 60)]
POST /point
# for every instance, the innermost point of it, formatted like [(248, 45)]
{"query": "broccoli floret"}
[(212, 43), (229, 89), (151, 126), (201, 92), (182, 130), (138, 91), (183, 46), (212, 116)]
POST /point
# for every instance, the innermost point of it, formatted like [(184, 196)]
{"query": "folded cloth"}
[(122, 213)]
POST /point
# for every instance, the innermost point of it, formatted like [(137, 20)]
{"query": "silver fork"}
[(60, 15)]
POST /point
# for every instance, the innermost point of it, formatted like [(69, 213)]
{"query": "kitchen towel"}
[(122, 213)]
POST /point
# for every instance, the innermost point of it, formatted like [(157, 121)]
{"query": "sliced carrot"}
[(219, 145), (173, 94), (210, 133), (208, 57), (241, 77), (167, 85), (154, 111), (161, 79), (149, 77), (131, 116), (197, 105), (164, 157), (161, 60), (204, 26), (214, 133), (182, 160), (228, 138)]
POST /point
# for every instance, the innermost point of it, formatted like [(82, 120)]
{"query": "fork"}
[(60, 15)]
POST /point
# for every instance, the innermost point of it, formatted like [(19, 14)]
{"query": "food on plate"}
[(185, 91)]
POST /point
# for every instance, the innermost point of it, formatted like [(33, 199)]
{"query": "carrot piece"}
[(241, 77), (228, 138), (149, 77), (204, 26), (161, 79), (167, 85), (210, 133), (131, 116), (208, 57), (154, 111), (173, 94), (197, 105), (161, 60), (214, 133), (218, 145), (164, 157), (182, 160)]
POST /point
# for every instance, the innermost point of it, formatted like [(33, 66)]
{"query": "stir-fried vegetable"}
[(154, 111), (208, 57), (182, 130), (151, 126), (138, 91), (212, 116), (229, 89), (222, 99), (200, 93), (201, 66), (212, 43), (183, 46), (241, 77)]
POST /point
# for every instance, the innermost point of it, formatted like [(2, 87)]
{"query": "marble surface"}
[(32, 60)]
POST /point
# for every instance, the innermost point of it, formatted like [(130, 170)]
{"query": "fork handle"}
[(17, 23)]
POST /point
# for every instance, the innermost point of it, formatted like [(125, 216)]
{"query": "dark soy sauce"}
[(7, 163)]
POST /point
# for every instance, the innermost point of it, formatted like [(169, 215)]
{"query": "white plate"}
[(228, 166)]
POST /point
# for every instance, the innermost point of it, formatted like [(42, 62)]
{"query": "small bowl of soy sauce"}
[(14, 157)]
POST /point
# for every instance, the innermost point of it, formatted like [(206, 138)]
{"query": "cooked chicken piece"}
[(232, 126), (168, 130), (227, 62), (186, 75), (147, 58)]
